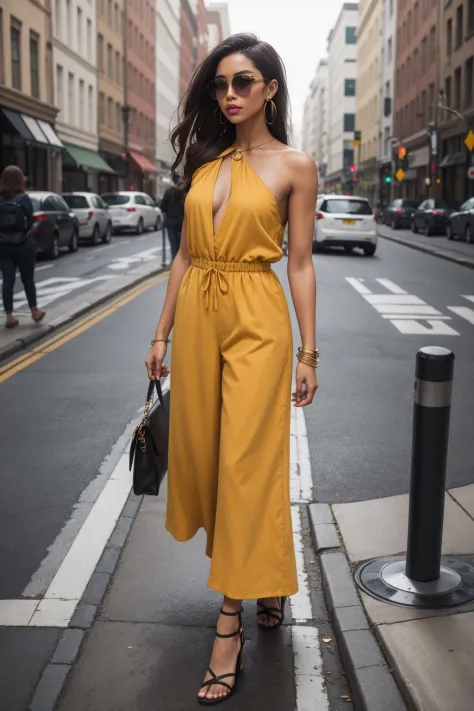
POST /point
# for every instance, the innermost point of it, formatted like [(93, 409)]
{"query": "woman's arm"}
[(178, 269), (301, 216)]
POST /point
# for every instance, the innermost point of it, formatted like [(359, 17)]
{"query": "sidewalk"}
[(26, 333), (430, 651), (454, 251)]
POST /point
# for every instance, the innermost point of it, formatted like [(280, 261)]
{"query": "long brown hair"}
[(12, 182), (199, 137)]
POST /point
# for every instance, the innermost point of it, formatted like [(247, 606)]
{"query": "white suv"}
[(345, 221), (133, 211)]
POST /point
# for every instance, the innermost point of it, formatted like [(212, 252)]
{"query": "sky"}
[(298, 29)]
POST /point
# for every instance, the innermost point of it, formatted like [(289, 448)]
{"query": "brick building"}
[(188, 55), (457, 86), (417, 79), (140, 93)]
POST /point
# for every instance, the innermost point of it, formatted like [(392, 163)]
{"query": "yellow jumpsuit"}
[(231, 372)]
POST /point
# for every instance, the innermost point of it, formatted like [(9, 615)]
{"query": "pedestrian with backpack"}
[(17, 246)]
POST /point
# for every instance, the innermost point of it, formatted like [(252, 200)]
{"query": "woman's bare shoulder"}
[(300, 166)]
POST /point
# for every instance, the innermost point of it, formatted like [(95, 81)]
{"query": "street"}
[(66, 419)]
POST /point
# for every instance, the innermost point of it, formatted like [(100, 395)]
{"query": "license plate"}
[(348, 222)]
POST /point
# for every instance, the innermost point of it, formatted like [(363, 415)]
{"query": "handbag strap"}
[(159, 392)]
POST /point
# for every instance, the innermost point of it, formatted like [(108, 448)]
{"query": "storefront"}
[(142, 173), (33, 145), (82, 169)]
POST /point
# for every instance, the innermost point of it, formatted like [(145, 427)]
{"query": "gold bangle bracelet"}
[(309, 356), (156, 340)]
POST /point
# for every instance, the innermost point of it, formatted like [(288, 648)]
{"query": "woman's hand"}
[(305, 376), (154, 362)]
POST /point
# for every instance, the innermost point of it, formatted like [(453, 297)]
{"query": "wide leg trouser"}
[(231, 371)]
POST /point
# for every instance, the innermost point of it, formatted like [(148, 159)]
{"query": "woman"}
[(17, 246), (231, 360)]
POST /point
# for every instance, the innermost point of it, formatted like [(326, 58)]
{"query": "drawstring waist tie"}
[(214, 278)]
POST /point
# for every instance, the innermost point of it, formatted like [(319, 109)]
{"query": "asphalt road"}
[(62, 415), (73, 274)]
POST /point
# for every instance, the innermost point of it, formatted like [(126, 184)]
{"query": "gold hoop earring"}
[(221, 116), (274, 112)]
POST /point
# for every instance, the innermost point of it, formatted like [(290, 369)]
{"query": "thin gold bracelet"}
[(156, 340)]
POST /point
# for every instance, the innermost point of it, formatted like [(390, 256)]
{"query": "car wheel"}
[(369, 250), (53, 251), (95, 239), (414, 228), (74, 242), (140, 226), (107, 234), (449, 231), (469, 237), (394, 224), (428, 231)]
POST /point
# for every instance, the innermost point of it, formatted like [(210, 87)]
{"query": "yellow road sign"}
[(469, 140), (400, 174), (356, 142)]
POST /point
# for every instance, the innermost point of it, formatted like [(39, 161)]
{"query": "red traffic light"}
[(402, 151), (352, 168)]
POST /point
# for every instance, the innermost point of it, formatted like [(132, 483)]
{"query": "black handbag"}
[(149, 447)]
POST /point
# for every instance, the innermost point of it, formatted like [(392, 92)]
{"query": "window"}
[(34, 69), (89, 39), (117, 17), (449, 37), (57, 19), (470, 17), (90, 108), (69, 22), (59, 87), (110, 117), (351, 35), (109, 12), (100, 52), (79, 30), (118, 113), (416, 63), (431, 101), (70, 98), (447, 91), (469, 83), (349, 87), (82, 104), (457, 88), (15, 39), (110, 63), (349, 122), (389, 51), (416, 15), (432, 44), (350, 61), (424, 47), (101, 108), (459, 24), (346, 207), (423, 106), (117, 68)]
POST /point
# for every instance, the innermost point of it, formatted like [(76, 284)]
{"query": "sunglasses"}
[(241, 84)]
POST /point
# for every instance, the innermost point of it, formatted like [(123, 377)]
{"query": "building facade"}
[(457, 93), (417, 83), (27, 107), (75, 90), (140, 95), (386, 97), (202, 31), (110, 48), (315, 121), (367, 95), (218, 23), (167, 85), (188, 55), (342, 73)]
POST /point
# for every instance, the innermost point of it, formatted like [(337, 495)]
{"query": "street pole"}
[(126, 109)]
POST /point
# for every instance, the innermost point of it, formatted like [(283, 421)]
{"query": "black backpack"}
[(13, 222)]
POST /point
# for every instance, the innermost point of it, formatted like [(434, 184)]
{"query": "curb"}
[(372, 685), (54, 676), (463, 261), (23, 343)]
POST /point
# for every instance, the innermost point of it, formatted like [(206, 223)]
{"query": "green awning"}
[(86, 159)]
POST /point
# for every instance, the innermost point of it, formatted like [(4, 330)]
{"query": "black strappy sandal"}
[(278, 613), (238, 666)]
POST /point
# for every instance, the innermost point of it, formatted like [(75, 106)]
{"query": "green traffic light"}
[(388, 179)]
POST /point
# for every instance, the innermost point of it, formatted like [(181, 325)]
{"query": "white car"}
[(133, 211), (345, 221), (95, 223)]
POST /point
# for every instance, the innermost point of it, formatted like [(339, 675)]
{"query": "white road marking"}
[(17, 613), (54, 288), (464, 312), (469, 298), (43, 267), (407, 312), (120, 263), (391, 286), (311, 692)]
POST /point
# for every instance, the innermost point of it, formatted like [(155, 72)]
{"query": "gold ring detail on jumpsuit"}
[(214, 278)]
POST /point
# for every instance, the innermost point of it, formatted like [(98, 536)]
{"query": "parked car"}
[(461, 222), (398, 213), (54, 224), (431, 217), (95, 223), (133, 211), (345, 221)]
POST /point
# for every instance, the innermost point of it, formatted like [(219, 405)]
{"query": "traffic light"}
[(388, 178), (402, 155), (352, 169), (402, 151)]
